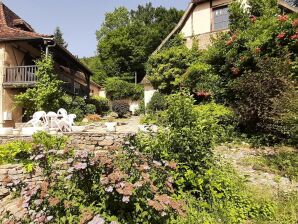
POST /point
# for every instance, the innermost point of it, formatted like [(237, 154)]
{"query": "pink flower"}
[(295, 22), (235, 71), (253, 19), (294, 37), (281, 35), (80, 166), (282, 18), (258, 50)]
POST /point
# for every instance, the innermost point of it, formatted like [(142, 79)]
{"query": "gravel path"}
[(237, 155)]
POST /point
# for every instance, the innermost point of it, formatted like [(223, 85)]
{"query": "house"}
[(205, 18), (20, 46), (202, 20)]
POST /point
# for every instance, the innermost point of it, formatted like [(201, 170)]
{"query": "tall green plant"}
[(47, 94)]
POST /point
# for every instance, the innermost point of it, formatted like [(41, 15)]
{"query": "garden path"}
[(129, 126), (238, 155)]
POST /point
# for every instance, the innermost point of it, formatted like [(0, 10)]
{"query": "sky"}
[(78, 19)]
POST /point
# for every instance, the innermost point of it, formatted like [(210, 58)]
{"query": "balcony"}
[(20, 76), (24, 77)]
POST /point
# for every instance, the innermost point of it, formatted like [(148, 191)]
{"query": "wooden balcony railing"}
[(24, 76), (20, 75)]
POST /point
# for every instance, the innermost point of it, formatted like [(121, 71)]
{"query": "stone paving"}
[(237, 155), (127, 126)]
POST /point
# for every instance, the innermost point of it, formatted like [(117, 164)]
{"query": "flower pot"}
[(111, 126)]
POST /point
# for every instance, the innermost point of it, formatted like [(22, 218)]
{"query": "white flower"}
[(109, 189), (125, 199)]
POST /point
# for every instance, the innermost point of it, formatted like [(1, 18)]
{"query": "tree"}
[(126, 39), (256, 63), (95, 66), (47, 94), (58, 36), (166, 68)]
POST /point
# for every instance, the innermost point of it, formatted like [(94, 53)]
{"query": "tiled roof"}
[(13, 27)]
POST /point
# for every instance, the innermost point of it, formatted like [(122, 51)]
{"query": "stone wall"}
[(14, 173), (89, 141)]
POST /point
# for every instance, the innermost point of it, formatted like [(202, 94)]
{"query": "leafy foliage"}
[(126, 39), (157, 103), (47, 93), (75, 105), (185, 139), (13, 151), (58, 36), (101, 104), (90, 109), (255, 69), (165, 68), (214, 192), (224, 119), (93, 186), (117, 89), (120, 107), (95, 65), (258, 96)]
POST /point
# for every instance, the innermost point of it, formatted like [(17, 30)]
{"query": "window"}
[(220, 18)]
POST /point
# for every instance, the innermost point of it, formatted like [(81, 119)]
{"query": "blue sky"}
[(78, 19)]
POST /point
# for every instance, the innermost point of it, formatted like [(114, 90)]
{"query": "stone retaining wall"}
[(13, 173), (89, 141)]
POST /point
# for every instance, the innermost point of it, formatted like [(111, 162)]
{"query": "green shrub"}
[(284, 163), (101, 104), (75, 105), (97, 185), (258, 98), (141, 109), (90, 109), (118, 89), (78, 106), (158, 103), (15, 151), (157, 118), (184, 138), (166, 67), (120, 107), (49, 142), (47, 94), (224, 119), (200, 77)]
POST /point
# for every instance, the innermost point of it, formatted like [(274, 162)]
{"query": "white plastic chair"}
[(71, 118), (62, 112), (64, 123), (66, 118), (39, 119)]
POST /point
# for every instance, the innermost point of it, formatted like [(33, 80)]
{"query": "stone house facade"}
[(202, 20), (20, 46)]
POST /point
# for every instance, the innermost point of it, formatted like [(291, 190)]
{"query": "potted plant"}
[(111, 125)]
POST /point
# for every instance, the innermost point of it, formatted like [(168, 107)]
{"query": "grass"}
[(284, 162), (285, 206)]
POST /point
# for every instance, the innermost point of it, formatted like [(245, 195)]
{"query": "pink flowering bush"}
[(121, 185)]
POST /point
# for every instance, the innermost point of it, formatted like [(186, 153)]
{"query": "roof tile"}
[(12, 26)]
